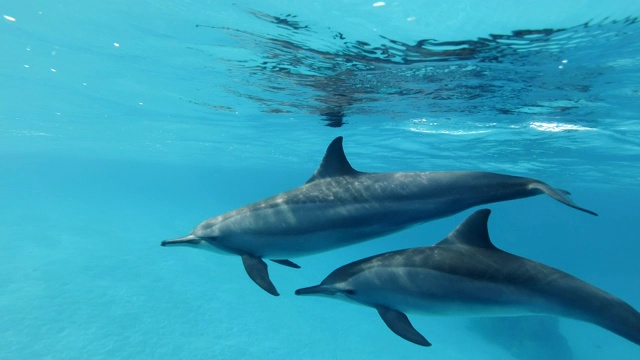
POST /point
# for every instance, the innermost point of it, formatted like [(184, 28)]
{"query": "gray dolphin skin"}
[(465, 274), (340, 206)]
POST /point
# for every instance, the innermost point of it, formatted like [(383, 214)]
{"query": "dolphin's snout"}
[(305, 291), (186, 240), (317, 290)]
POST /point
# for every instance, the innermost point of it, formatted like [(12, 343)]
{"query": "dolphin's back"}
[(588, 303), (390, 201), (558, 293), (577, 299), (620, 318)]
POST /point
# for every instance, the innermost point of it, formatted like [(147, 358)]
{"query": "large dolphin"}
[(339, 206), (465, 274)]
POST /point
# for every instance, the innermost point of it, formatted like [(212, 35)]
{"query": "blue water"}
[(126, 123)]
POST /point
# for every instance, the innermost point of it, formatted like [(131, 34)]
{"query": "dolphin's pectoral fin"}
[(286, 262), (400, 324), (257, 270)]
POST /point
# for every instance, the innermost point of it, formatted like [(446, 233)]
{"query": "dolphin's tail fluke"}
[(558, 194)]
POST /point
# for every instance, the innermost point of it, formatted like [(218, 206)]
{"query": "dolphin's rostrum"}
[(465, 274), (340, 206)]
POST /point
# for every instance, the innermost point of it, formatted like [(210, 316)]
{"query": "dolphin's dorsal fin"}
[(334, 163), (472, 232)]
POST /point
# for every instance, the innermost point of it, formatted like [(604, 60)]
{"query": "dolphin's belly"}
[(436, 293), (305, 229), (294, 245)]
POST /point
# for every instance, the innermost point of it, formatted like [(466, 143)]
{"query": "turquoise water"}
[(124, 124)]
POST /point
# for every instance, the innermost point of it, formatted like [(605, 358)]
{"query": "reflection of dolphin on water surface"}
[(465, 274), (339, 206)]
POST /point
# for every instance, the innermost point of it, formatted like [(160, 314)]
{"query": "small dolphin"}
[(465, 274), (339, 206)]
